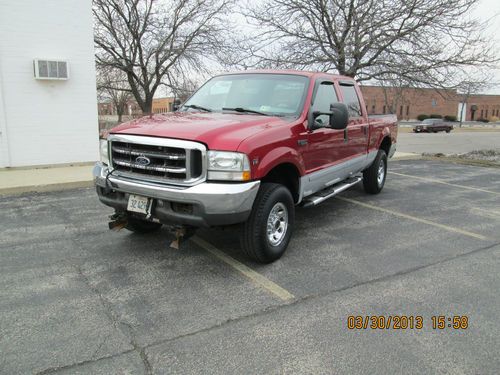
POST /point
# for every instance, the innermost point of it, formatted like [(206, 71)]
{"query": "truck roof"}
[(287, 71)]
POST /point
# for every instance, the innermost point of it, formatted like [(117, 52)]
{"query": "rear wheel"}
[(267, 232), (448, 130), (374, 176), (141, 226)]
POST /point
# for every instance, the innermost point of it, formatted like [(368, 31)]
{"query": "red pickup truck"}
[(245, 149)]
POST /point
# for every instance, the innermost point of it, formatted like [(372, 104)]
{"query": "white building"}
[(47, 121)]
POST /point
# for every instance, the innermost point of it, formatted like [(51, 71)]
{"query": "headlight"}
[(232, 166), (103, 149)]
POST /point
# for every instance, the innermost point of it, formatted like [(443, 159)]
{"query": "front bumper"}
[(203, 205)]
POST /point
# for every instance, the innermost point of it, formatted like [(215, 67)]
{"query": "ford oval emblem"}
[(142, 160)]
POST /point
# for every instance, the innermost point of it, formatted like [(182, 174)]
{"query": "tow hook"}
[(181, 233), (118, 221)]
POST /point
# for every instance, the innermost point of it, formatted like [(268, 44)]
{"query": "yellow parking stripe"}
[(255, 277), (436, 181), (417, 219)]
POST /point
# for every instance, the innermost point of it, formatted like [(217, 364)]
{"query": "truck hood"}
[(220, 131)]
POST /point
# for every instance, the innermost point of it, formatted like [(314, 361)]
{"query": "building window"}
[(373, 108), (385, 108), (407, 110), (481, 113), (434, 102), (401, 111), (486, 113)]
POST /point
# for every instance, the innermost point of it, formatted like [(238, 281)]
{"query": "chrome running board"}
[(329, 192)]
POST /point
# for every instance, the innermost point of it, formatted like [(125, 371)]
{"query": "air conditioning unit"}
[(51, 69)]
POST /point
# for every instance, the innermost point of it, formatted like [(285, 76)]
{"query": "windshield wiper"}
[(194, 106), (245, 110)]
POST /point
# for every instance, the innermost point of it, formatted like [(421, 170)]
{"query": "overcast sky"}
[(487, 9)]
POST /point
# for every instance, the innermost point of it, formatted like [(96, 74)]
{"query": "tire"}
[(257, 242), (374, 176), (142, 226), (448, 130)]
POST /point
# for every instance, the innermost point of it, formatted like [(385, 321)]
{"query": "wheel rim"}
[(381, 173), (277, 224)]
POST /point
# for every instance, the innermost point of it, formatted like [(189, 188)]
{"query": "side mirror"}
[(177, 104), (340, 116)]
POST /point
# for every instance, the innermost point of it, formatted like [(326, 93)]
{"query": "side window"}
[(325, 96), (351, 100)]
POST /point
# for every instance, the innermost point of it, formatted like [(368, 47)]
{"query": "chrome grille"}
[(159, 162)]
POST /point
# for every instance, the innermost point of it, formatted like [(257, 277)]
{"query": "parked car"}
[(433, 125), (246, 149)]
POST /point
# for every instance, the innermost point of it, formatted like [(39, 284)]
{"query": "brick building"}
[(408, 103), (163, 105), (160, 105)]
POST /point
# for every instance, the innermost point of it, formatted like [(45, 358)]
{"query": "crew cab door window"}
[(325, 96), (351, 100)]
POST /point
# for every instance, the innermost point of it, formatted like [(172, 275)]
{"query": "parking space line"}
[(417, 219), (434, 180), (255, 277)]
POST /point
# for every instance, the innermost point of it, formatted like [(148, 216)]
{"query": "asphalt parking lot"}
[(77, 298)]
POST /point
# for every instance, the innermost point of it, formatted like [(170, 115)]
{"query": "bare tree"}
[(421, 41), (150, 40), (184, 87), (112, 85), (469, 86)]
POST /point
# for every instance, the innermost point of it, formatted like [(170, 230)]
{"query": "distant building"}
[(160, 105), (106, 108), (163, 105), (408, 103), (48, 109)]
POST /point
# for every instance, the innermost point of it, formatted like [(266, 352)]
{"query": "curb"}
[(45, 188), (406, 156)]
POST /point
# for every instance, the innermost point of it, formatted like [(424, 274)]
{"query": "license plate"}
[(138, 203)]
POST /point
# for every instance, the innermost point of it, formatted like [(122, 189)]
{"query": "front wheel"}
[(267, 232), (374, 176)]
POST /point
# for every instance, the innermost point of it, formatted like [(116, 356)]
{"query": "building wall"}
[(163, 105), (487, 106), (408, 103), (160, 105), (47, 122), (104, 109)]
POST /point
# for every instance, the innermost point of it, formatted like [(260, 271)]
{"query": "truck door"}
[(357, 129), (322, 143), (321, 148)]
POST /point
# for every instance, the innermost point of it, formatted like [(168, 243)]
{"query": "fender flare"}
[(277, 156), (385, 133)]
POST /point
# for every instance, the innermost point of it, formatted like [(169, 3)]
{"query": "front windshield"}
[(271, 94)]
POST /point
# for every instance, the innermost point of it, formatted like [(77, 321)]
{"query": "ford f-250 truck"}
[(245, 149)]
